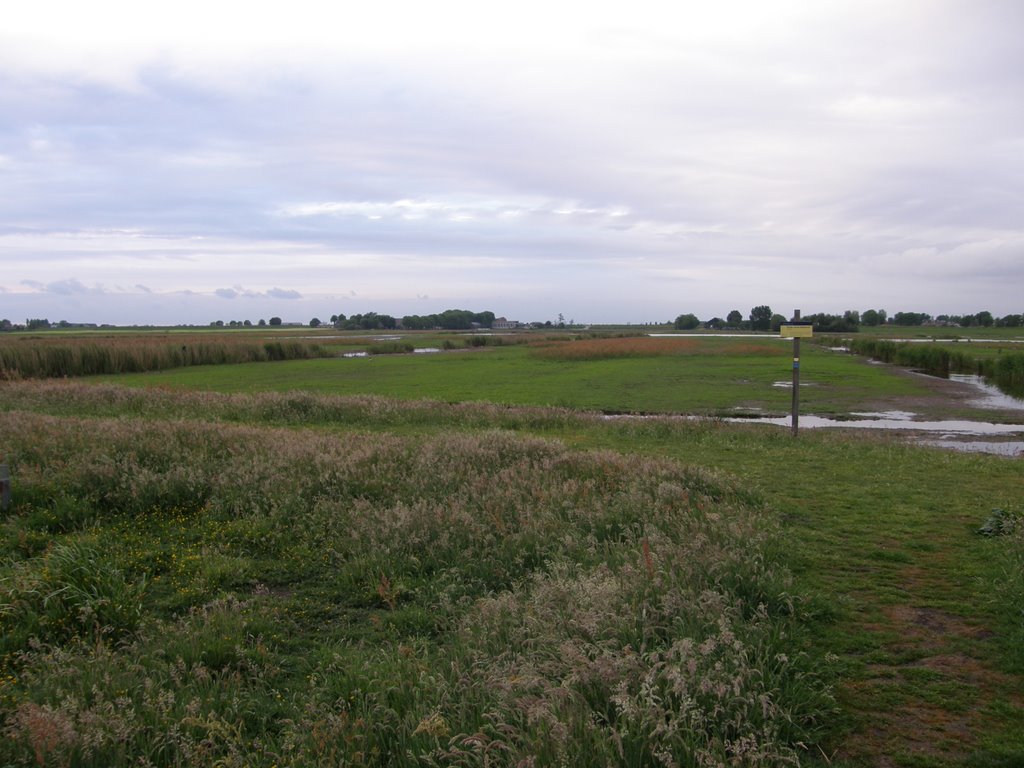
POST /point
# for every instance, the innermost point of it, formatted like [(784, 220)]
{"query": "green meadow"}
[(453, 559), (691, 376)]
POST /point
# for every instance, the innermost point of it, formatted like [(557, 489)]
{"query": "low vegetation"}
[(275, 578), (613, 348), (193, 593), (930, 358), (60, 356), (1005, 368)]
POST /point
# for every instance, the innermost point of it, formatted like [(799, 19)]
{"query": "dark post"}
[(5, 487), (796, 378)]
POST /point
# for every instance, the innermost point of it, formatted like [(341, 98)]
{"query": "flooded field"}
[(970, 435)]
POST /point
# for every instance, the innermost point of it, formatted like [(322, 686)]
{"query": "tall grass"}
[(930, 358), (391, 348), (286, 408), (467, 599), (1005, 369), (31, 358)]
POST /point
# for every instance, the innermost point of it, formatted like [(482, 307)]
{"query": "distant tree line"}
[(761, 318), (449, 320), (371, 321)]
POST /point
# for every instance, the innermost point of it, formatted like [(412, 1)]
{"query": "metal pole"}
[(796, 378)]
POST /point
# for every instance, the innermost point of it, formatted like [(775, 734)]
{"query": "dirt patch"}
[(930, 623)]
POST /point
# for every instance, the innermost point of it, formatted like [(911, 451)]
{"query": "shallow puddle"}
[(896, 420), (1007, 448), (947, 433), (990, 396)]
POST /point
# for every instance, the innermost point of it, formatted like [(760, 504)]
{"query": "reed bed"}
[(1006, 369), (33, 358), (929, 358), (183, 592), (391, 348)]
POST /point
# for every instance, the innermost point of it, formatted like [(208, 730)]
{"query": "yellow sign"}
[(796, 331)]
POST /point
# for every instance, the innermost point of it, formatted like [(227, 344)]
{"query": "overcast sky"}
[(193, 161)]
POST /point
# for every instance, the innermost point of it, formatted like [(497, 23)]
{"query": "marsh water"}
[(993, 437)]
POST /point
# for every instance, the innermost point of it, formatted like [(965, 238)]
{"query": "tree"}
[(314, 323), (910, 318), (734, 318), (485, 318), (275, 321), (984, 318), (715, 324), (262, 322), (6, 325), (687, 322), (870, 317), (761, 318), (777, 321), (826, 323), (371, 321)]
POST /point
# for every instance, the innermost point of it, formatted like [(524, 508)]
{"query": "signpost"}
[(796, 331)]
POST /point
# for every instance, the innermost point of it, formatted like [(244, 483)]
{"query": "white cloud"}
[(451, 210), (282, 293)]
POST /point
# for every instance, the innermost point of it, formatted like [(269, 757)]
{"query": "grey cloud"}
[(67, 287), (70, 287), (240, 292), (281, 293)]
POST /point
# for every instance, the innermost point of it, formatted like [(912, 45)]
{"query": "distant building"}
[(501, 324)]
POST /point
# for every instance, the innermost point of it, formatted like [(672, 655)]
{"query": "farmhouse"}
[(501, 324)]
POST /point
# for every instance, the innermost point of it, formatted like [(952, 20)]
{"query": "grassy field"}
[(298, 578), (712, 376)]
